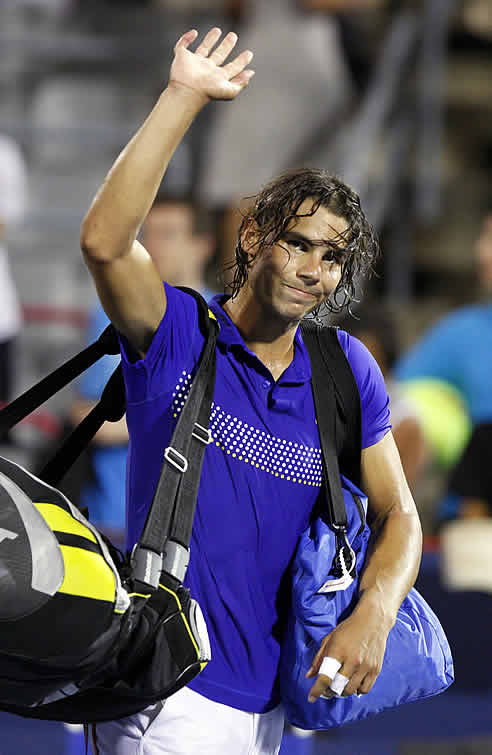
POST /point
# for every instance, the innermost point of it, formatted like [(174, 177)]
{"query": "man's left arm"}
[(359, 641)]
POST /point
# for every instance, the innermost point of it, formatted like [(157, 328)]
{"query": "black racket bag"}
[(88, 634)]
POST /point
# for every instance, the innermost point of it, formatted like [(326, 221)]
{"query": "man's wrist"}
[(376, 605), (187, 95)]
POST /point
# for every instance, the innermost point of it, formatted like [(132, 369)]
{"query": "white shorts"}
[(187, 724)]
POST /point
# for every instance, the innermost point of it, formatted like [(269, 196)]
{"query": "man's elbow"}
[(98, 246), (91, 242)]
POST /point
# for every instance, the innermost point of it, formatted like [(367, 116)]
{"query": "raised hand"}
[(205, 71)]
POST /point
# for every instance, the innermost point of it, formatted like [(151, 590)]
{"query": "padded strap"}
[(325, 406), (21, 407), (111, 408), (170, 517), (180, 470)]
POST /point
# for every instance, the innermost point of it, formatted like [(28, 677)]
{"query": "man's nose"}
[(311, 267)]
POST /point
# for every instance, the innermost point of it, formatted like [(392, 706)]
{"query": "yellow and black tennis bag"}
[(88, 634)]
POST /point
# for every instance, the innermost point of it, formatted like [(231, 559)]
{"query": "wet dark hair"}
[(278, 203)]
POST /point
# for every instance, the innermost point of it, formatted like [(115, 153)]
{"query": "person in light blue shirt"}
[(300, 247), (455, 355), (458, 349), (177, 238)]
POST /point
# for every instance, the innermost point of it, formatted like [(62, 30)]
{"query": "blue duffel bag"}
[(417, 661)]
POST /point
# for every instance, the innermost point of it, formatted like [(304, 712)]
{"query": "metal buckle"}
[(203, 434), (179, 462)]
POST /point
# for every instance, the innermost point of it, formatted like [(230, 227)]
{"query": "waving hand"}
[(205, 71)]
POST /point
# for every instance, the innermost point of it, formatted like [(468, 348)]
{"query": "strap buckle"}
[(146, 568), (202, 433), (177, 460)]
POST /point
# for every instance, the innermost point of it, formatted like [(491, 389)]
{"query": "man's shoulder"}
[(358, 355)]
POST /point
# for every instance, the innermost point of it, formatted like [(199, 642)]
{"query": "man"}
[(180, 246), (303, 241)]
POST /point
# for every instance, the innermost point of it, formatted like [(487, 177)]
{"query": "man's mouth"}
[(301, 292)]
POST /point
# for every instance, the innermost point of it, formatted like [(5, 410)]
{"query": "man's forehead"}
[(321, 225)]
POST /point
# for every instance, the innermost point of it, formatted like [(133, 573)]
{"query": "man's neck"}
[(272, 341)]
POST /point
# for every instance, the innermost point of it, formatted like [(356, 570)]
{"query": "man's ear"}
[(250, 238)]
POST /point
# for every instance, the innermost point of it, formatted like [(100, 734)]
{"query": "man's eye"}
[(334, 255), (298, 245)]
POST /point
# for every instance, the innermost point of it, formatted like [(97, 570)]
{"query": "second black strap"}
[(325, 406)]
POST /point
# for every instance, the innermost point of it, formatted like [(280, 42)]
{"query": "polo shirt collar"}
[(299, 371)]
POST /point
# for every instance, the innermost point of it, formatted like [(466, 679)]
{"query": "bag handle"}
[(165, 539), (110, 408), (21, 407), (170, 517), (329, 361), (325, 407)]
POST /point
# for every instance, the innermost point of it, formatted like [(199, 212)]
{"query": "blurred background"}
[(394, 97)]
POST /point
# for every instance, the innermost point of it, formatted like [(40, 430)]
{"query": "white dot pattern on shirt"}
[(276, 456)]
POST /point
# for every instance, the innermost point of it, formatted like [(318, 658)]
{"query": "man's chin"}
[(295, 311)]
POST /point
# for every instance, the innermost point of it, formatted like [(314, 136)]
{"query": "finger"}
[(237, 66), (222, 52), (366, 684), (243, 79), (339, 684), (324, 664), (186, 39), (343, 683), (354, 684), (208, 42), (320, 687)]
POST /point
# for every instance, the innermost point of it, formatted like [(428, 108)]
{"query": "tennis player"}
[(298, 249)]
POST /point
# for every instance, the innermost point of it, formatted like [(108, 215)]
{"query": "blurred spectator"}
[(467, 541), (462, 595), (452, 363), (477, 17), (376, 329), (13, 205), (181, 246), (304, 87)]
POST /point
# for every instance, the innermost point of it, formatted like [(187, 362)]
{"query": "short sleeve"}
[(372, 389), (175, 348)]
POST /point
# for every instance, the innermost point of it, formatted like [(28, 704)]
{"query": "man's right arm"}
[(128, 283)]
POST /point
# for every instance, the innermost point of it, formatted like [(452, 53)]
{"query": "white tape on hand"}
[(329, 667), (339, 683)]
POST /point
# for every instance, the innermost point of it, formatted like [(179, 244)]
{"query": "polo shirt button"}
[(266, 384)]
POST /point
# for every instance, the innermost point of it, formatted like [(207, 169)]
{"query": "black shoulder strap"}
[(21, 407), (111, 406), (170, 516), (335, 392)]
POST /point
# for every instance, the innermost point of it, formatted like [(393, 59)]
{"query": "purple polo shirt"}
[(261, 476)]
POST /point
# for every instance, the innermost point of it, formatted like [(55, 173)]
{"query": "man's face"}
[(169, 239), (483, 250), (303, 268)]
